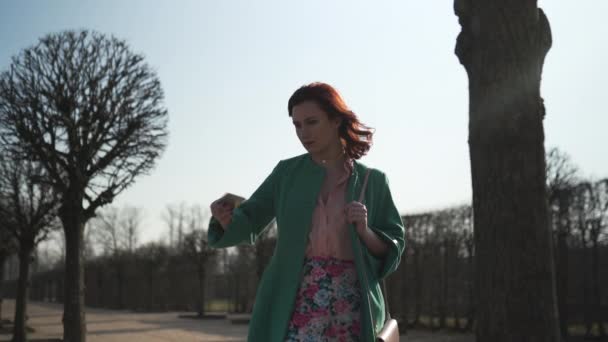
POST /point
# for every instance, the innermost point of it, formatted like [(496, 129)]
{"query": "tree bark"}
[(502, 46), (25, 254), (74, 323)]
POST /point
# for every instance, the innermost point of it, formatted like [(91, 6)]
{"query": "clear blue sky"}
[(228, 68)]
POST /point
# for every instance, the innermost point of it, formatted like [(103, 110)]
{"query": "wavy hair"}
[(356, 138)]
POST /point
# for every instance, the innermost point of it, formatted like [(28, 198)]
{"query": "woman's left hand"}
[(356, 213)]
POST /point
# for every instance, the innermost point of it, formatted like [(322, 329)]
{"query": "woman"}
[(322, 282)]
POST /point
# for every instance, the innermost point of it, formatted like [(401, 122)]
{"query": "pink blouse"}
[(329, 231)]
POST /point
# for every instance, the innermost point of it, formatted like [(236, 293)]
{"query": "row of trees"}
[(433, 286), (81, 117), (88, 114), (112, 239)]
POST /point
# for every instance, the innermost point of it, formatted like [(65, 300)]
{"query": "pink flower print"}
[(299, 300), (300, 320), (335, 270), (341, 306), (331, 331), (317, 274), (311, 291), (319, 313)]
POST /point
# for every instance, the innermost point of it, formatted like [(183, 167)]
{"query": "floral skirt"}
[(328, 302)]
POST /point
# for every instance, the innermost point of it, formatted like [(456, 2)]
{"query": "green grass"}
[(580, 329), (217, 305)]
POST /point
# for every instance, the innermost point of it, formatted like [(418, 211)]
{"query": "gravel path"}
[(125, 326)]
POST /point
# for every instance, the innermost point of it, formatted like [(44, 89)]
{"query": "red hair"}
[(356, 138)]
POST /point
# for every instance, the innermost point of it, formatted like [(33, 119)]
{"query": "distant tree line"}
[(432, 288)]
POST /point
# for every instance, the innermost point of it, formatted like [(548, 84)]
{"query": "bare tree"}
[(107, 230), (132, 218), (562, 177), (8, 247), (197, 250), (561, 172), (175, 216), (153, 258), (502, 46), (441, 223), (117, 231), (597, 222), (89, 248), (264, 248), (457, 241), (420, 227), (90, 111), (28, 211)]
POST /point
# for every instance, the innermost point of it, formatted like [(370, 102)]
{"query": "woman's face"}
[(314, 128)]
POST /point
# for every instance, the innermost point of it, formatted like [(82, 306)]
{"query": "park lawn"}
[(217, 305)]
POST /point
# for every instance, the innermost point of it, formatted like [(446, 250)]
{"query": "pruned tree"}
[(264, 248), (598, 232), (153, 258), (457, 260), (176, 216), (8, 247), (420, 228), (196, 248), (502, 46), (562, 179), (90, 111), (561, 171), (117, 231), (29, 212)]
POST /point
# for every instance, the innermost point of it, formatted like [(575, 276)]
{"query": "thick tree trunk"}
[(74, 324), (25, 255), (502, 46)]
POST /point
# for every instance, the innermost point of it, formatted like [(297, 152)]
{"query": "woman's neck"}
[(330, 159)]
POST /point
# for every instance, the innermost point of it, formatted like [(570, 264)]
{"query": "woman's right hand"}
[(222, 211)]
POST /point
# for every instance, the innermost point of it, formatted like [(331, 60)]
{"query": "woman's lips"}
[(308, 144)]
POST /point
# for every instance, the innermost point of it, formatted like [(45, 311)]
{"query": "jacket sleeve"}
[(250, 218), (388, 225)]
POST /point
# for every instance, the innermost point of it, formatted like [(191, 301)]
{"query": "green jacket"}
[(289, 193)]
